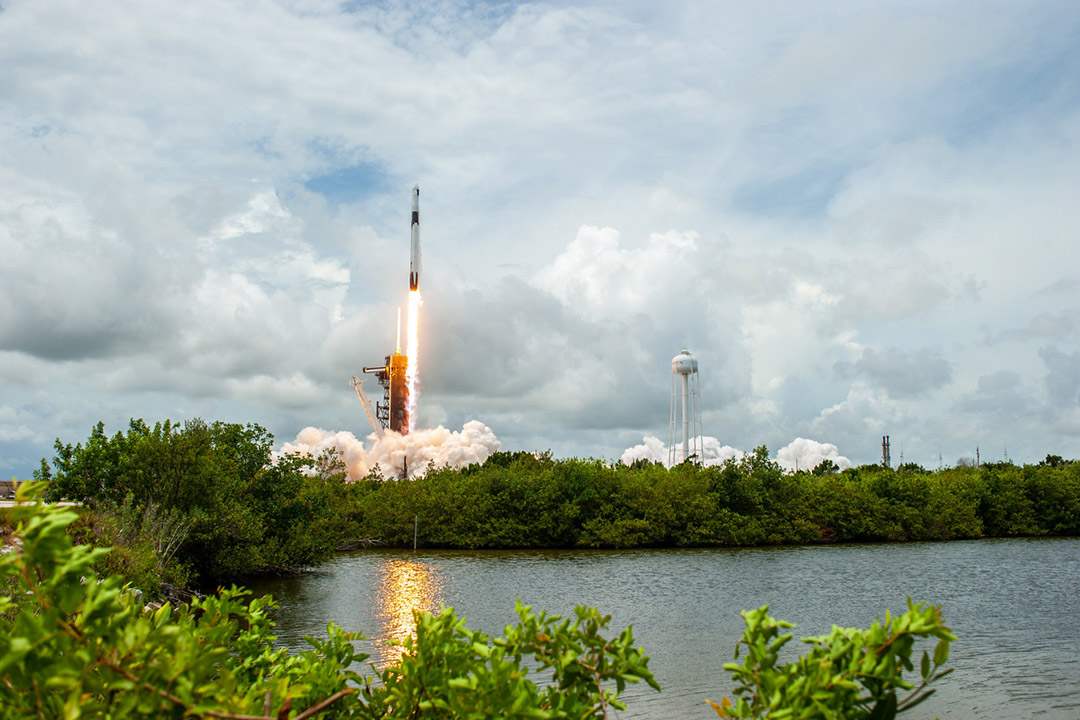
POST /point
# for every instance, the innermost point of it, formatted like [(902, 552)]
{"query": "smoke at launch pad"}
[(395, 454)]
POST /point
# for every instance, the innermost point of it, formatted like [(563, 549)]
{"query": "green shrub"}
[(206, 498), (75, 645), (847, 674)]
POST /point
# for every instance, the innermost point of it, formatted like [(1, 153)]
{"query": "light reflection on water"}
[(405, 586), (1013, 603)]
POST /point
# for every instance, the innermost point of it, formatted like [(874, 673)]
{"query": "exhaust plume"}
[(801, 454), (806, 454), (412, 351), (395, 454), (653, 449)]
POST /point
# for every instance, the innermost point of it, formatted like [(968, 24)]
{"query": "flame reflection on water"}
[(405, 586)]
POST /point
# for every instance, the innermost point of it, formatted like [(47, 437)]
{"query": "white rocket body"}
[(414, 254)]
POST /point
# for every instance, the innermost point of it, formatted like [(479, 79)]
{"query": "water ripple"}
[(1012, 603)]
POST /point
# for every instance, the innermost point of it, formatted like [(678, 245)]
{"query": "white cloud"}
[(785, 193)]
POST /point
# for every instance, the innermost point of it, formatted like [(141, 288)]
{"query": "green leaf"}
[(885, 708), (72, 709), (941, 652)]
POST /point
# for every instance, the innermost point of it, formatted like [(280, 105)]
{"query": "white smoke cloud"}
[(800, 453), (803, 454), (396, 453), (653, 449), (315, 441)]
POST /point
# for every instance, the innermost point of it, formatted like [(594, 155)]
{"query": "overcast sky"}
[(862, 218)]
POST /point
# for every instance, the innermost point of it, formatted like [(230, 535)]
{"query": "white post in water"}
[(415, 529)]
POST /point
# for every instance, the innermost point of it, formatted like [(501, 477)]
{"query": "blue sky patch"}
[(802, 195), (348, 184)]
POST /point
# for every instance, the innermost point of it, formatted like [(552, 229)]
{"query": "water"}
[(1014, 605)]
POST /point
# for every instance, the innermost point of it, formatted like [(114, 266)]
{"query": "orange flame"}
[(412, 351)]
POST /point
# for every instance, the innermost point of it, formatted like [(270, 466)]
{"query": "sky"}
[(861, 218)]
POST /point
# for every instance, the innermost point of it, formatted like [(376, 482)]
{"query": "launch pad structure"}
[(393, 412)]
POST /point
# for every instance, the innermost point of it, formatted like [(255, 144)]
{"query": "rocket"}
[(414, 254)]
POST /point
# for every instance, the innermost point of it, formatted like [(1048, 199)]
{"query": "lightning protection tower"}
[(686, 392)]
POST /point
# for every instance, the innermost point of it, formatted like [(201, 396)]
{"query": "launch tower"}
[(393, 412)]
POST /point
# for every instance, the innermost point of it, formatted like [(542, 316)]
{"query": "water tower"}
[(686, 392)]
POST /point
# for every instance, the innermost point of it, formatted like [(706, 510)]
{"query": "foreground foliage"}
[(74, 645), (848, 673), (451, 671)]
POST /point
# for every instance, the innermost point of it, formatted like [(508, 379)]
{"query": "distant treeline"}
[(202, 504), (522, 500)]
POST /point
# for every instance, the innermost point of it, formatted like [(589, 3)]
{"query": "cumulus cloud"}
[(1000, 393), (902, 374), (203, 216), (1045, 326), (1062, 376), (861, 418)]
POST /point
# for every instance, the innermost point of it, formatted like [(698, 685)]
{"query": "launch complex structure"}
[(396, 376)]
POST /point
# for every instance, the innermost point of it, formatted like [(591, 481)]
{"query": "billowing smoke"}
[(395, 453), (315, 441), (801, 454), (653, 449)]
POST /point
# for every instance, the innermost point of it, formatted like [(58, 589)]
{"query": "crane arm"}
[(375, 424)]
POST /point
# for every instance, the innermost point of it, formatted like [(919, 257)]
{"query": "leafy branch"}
[(848, 673)]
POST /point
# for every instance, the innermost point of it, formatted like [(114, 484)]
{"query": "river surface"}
[(1014, 605)]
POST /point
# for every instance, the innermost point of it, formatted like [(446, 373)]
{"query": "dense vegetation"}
[(195, 504), (200, 504), (75, 644), (524, 500)]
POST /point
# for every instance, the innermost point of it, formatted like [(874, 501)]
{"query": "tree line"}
[(525, 500), (198, 504)]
